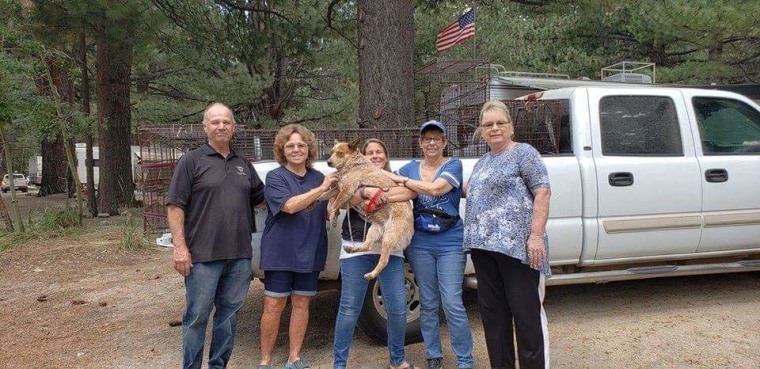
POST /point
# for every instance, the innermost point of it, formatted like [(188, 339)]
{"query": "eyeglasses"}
[(490, 125), (435, 140), (299, 146)]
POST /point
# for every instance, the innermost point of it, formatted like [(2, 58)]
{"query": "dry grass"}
[(132, 235)]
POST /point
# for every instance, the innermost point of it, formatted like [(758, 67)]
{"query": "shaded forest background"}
[(93, 70)]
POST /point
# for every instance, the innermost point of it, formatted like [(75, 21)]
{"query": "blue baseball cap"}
[(433, 124)]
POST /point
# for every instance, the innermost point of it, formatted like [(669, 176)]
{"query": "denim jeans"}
[(439, 275), (222, 284), (352, 293)]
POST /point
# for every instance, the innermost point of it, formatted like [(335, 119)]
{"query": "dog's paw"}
[(351, 249), (370, 276)]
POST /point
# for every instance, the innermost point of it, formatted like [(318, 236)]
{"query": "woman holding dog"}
[(353, 266), (294, 242), (436, 253), (507, 209)]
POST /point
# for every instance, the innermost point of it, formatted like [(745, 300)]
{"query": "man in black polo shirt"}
[(210, 211)]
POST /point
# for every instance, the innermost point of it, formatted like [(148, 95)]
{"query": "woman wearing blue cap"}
[(436, 252)]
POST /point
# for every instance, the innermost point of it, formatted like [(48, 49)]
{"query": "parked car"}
[(20, 182)]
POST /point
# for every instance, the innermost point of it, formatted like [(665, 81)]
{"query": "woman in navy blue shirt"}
[(294, 242)]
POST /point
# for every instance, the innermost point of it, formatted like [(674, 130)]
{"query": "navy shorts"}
[(279, 283)]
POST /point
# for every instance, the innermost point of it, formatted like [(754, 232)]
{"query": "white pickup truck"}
[(650, 182)]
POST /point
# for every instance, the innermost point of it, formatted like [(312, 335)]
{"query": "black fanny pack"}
[(434, 221)]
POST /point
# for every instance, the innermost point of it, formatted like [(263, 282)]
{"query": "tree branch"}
[(234, 5), (685, 52), (329, 25), (330, 7), (188, 115), (173, 93), (330, 115)]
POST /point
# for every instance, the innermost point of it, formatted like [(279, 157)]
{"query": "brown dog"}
[(392, 225)]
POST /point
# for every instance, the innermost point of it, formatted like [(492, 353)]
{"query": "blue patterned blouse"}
[(500, 202)]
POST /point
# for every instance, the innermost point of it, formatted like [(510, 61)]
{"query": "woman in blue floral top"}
[(507, 209)]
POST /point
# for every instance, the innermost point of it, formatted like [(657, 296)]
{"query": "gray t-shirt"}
[(217, 195)]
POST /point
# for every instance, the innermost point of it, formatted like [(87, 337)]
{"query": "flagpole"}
[(474, 39)]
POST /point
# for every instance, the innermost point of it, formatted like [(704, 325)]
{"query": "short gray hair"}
[(215, 104)]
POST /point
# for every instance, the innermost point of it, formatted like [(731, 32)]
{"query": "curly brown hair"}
[(282, 137)]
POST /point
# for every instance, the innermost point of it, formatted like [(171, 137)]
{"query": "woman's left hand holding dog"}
[(328, 182)]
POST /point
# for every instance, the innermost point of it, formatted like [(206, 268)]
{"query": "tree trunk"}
[(64, 128), (277, 97), (11, 182), (5, 216), (386, 62), (92, 205), (657, 52), (55, 174), (54, 169), (114, 63)]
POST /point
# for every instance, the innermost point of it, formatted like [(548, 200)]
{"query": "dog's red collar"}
[(372, 204)]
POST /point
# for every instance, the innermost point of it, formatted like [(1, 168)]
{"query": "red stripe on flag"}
[(452, 38)]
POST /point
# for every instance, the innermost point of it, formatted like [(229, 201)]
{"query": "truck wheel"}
[(373, 320)]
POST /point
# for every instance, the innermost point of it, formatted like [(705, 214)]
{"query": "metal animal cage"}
[(162, 146), (442, 88), (453, 91), (543, 124)]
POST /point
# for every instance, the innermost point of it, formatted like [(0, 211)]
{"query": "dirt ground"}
[(77, 301)]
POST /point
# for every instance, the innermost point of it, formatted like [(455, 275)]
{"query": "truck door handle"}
[(716, 175), (620, 179)]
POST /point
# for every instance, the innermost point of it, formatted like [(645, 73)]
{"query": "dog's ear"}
[(354, 145), (336, 142)]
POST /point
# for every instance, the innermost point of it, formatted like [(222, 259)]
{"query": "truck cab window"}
[(727, 126), (639, 126), (544, 124)]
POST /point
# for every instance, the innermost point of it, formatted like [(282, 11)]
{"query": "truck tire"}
[(373, 319)]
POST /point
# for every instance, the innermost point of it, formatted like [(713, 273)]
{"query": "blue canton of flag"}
[(459, 31)]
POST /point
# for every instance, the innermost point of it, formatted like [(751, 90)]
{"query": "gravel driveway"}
[(78, 302), (694, 322)]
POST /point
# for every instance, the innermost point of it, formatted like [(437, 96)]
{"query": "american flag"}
[(462, 29)]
